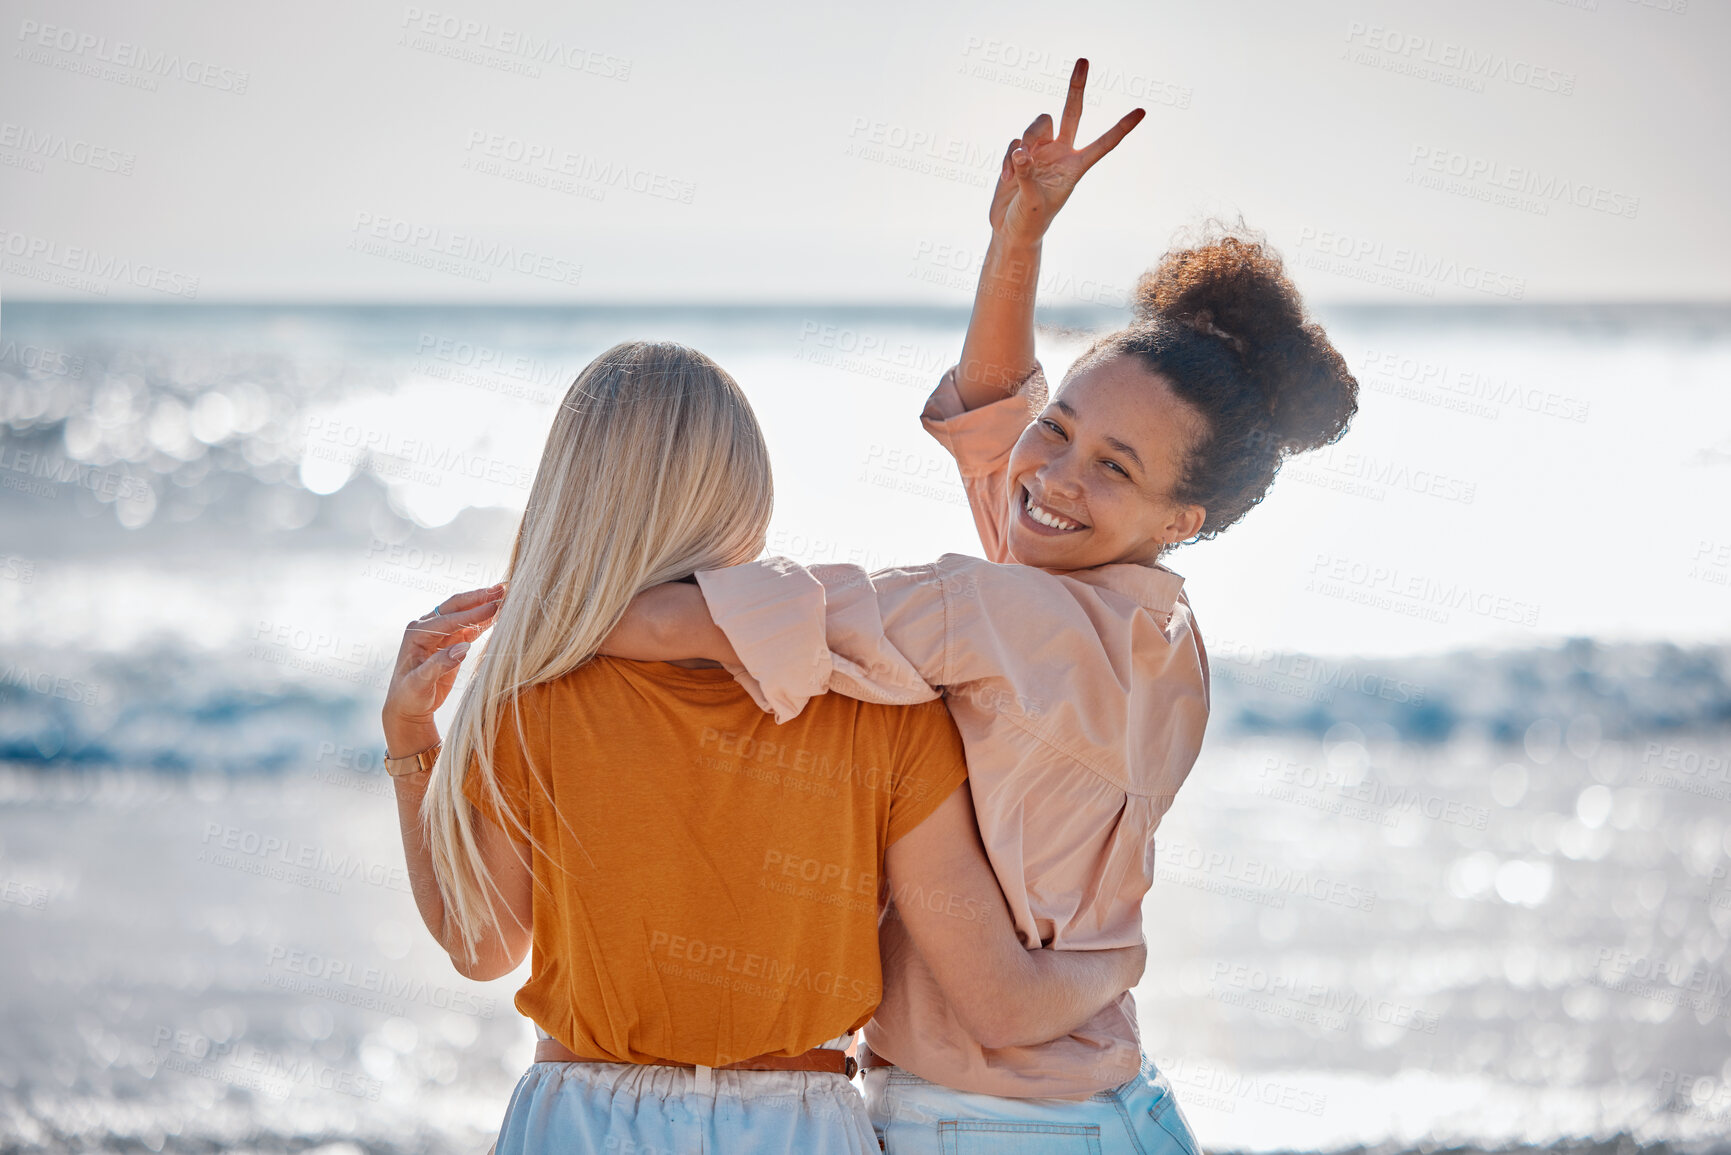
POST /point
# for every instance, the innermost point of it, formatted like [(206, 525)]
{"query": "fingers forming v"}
[(1072, 119), (1110, 138)]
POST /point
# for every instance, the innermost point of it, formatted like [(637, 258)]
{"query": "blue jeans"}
[(915, 1117)]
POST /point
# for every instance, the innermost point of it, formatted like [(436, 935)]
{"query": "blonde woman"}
[(700, 887)]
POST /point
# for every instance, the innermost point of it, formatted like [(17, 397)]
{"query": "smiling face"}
[(1091, 478)]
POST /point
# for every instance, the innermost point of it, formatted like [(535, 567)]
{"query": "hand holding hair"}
[(432, 650)]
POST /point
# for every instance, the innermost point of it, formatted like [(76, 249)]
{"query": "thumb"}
[(1023, 164), (1006, 187), (440, 664)]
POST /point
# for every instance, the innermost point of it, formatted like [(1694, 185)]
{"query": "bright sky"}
[(1481, 151), (840, 152)]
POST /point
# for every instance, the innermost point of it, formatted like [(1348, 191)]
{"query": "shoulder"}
[(926, 750), (920, 741), (538, 698)]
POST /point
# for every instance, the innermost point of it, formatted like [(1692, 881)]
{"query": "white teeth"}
[(1047, 518)]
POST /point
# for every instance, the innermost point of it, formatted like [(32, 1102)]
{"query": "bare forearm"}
[(417, 855), (998, 353), (1038, 995), (493, 954), (949, 908), (1066, 989), (669, 623), (427, 664), (402, 738)]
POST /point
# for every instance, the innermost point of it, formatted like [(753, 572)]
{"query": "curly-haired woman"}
[(1069, 658)]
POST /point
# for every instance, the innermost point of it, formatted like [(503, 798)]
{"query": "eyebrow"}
[(1127, 452), (1064, 406)]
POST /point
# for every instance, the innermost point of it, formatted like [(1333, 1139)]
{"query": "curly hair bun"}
[(1234, 288)]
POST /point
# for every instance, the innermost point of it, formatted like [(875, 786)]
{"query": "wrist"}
[(1011, 239), (1011, 271), (413, 783), (403, 739)]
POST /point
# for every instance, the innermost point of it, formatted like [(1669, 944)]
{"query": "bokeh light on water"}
[(1476, 897)]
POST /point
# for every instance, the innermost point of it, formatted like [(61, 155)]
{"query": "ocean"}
[(1453, 871)]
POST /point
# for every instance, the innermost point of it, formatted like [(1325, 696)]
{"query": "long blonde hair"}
[(655, 468)]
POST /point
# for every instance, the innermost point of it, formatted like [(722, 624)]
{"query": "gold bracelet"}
[(415, 763)]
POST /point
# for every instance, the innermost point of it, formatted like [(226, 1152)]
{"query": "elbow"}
[(495, 953), (470, 968), (486, 965), (478, 971)]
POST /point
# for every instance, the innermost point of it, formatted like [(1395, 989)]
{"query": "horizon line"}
[(765, 304)]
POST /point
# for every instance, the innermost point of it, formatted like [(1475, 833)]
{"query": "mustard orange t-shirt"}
[(707, 881)]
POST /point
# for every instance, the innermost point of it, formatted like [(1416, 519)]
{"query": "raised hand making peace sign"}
[(1041, 170)]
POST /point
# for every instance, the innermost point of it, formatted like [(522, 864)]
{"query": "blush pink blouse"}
[(1081, 697)]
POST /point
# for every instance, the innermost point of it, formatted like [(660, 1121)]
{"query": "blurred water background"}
[(1452, 871)]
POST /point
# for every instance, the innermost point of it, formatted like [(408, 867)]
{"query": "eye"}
[(1116, 468), (1052, 425)]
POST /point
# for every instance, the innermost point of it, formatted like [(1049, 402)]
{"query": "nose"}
[(1058, 477)]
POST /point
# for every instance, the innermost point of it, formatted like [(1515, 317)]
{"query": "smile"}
[(1038, 514)]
